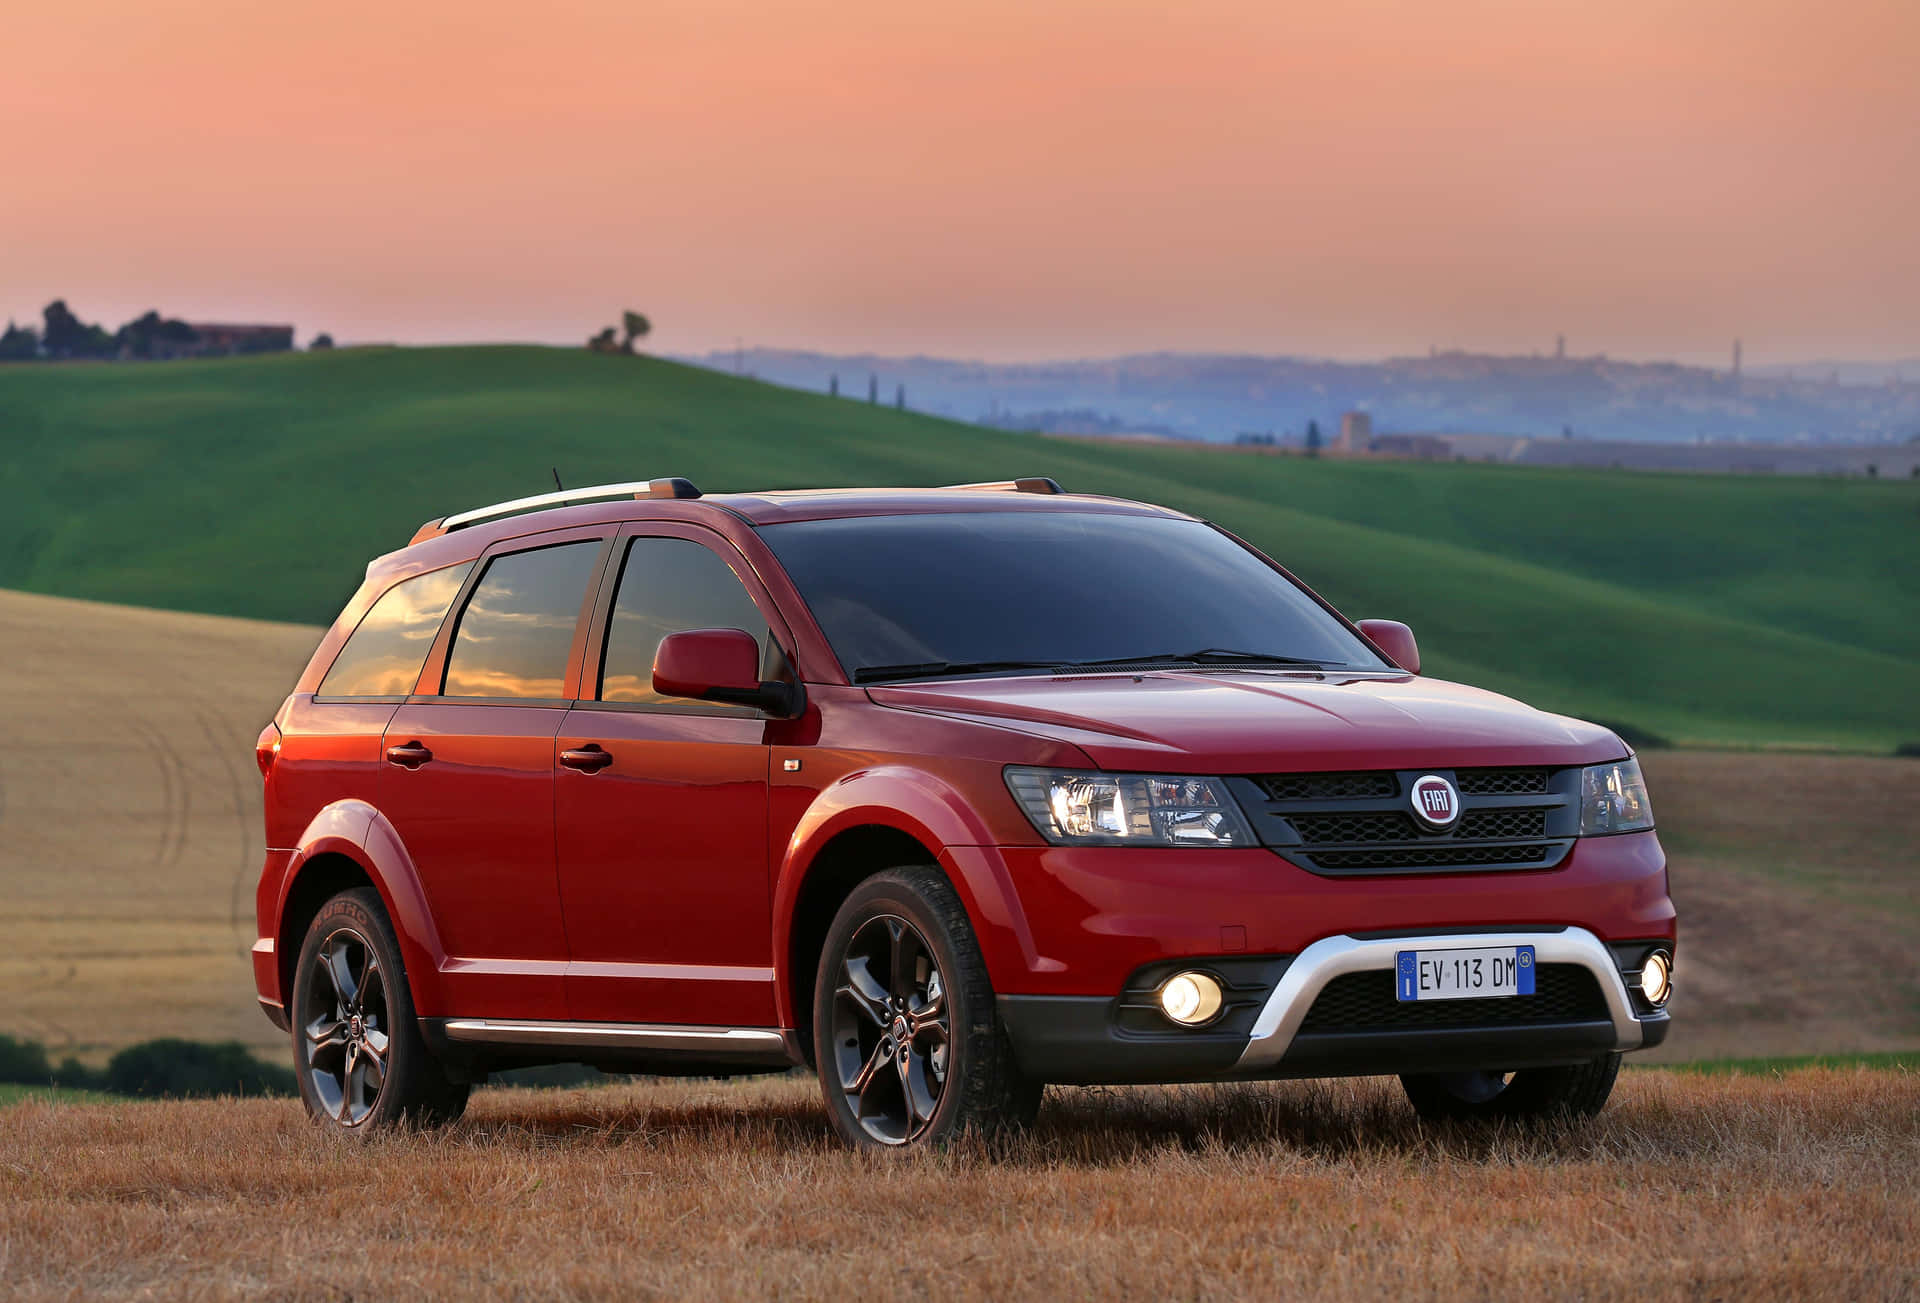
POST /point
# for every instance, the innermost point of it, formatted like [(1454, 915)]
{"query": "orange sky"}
[(998, 178)]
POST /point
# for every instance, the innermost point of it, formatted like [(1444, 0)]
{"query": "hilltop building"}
[(1356, 433), (220, 339)]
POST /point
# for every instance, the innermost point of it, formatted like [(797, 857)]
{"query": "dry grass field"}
[(130, 841), (130, 819), (1804, 1186)]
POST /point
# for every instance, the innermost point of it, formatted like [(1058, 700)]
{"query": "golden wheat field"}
[(130, 841), (1803, 1186)]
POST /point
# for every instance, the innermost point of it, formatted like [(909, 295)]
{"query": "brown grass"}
[(130, 836), (1745, 1188)]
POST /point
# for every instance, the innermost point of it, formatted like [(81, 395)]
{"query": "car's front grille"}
[(1502, 782), (1329, 787), (1392, 826), (1364, 1002), (1492, 825), (1362, 821), (1528, 855)]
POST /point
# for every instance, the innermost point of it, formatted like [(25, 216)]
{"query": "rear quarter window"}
[(384, 654)]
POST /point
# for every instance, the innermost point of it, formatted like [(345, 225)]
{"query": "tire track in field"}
[(176, 792), (224, 748)]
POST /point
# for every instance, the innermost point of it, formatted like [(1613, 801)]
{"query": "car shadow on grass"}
[(1088, 1126)]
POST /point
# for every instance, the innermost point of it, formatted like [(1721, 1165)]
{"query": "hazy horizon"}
[(1353, 182)]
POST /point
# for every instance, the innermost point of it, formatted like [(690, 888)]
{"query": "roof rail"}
[(674, 487), (1033, 484)]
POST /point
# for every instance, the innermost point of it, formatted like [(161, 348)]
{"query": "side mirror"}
[(720, 665), (1396, 640)]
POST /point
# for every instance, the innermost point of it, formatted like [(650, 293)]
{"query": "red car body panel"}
[(1197, 722), (663, 888)]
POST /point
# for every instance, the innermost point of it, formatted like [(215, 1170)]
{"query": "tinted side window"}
[(668, 585), (383, 656), (517, 629)]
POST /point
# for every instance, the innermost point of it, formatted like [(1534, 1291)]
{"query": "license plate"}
[(1463, 974)]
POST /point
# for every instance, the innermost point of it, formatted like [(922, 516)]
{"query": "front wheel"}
[(357, 1050), (1579, 1091), (908, 1042)]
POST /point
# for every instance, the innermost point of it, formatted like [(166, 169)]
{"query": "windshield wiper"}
[(1203, 656), (928, 669)]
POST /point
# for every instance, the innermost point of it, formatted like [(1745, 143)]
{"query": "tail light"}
[(266, 748)]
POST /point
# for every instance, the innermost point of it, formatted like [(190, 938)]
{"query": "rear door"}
[(661, 803), (468, 773)]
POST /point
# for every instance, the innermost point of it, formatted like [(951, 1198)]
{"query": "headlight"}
[(1074, 808), (1613, 798)]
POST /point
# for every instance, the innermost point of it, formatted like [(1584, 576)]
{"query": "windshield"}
[(902, 597)]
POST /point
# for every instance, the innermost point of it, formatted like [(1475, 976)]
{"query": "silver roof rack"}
[(674, 487), (1033, 484)]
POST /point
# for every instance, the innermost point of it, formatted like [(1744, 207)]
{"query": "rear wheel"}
[(357, 1050), (1579, 1091), (909, 1046)]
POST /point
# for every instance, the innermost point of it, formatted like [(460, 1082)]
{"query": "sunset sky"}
[(989, 178)]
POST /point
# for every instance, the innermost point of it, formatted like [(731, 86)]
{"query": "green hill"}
[(1745, 610)]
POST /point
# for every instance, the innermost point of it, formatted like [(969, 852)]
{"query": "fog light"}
[(1656, 978), (1190, 998)]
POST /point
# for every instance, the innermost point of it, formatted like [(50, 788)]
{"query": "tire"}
[(1573, 1093), (901, 956), (357, 1050)]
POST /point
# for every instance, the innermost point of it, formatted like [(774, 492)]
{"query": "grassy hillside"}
[(1721, 609)]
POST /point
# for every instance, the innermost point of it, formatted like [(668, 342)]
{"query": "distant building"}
[(220, 339), (1422, 447), (1356, 433)]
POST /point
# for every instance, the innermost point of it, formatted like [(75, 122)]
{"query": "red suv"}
[(947, 793)]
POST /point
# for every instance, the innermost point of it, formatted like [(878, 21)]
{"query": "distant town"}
[(1554, 408)]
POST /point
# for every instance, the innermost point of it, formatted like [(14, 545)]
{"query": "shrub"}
[(75, 1075), (24, 1062), (1907, 749), (190, 1069)]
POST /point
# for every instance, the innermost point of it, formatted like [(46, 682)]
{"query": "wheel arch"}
[(847, 859), (842, 843), (351, 844)]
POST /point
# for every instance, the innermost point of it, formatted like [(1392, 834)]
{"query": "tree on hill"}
[(65, 335), (320, 342), (604, 342), (19, 344), (635, 327), (1313, 438), (149, 334)]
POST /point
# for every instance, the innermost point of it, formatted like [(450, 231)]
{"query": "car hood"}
[(1236, 721)]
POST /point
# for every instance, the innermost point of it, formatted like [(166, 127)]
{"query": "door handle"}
[(587, 759), (410, 755)]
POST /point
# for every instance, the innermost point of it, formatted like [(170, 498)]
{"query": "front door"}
[(661, 805), (467, 780)]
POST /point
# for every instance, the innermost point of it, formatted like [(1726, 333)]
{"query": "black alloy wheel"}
[(906, 1033), (361, 1061), (891, 1029)]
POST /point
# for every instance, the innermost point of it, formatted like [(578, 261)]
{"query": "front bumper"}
[(1077, 1039)]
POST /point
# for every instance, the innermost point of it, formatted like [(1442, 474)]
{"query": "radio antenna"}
[(558, 486)]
